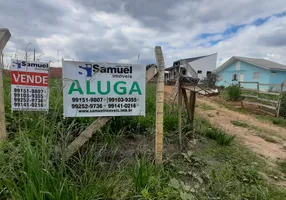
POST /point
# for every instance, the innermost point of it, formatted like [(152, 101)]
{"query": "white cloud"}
[(117, 32)]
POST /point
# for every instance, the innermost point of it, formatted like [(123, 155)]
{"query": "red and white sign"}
[(29, 78), (29, 85)]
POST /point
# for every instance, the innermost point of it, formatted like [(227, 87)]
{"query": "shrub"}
[(219, 136), (283, 105), (277, 121), (234, 92)]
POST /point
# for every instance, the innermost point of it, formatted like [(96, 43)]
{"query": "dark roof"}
[(191, 59), (169, 68), (263, 63), (187, 60)]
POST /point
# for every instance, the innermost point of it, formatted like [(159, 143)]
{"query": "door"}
[(241, 79)]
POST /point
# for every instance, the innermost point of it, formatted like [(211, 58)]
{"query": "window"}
[(209, 73), (199, 71), (234, 77), (256, 76), (184, 71), (237, 65), (273, 73)]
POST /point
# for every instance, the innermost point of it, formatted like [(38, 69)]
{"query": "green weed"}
[(219, 136), (206, 107), (268, 138), (239, 123), (282, 166), (279, 121), (234, 92)]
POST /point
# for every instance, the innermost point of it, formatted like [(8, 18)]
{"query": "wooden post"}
[(3, 133), (4, 38), (279, 100), (184, 92), (159, 106), (179, 109), (258, 86), (192, 104)]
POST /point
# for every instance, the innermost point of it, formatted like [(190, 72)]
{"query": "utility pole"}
[(26, 56), (4, 38), (34, 54)]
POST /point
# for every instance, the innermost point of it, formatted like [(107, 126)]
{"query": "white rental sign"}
[(29, 85), (103, 89)]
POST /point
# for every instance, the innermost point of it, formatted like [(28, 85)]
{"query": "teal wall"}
[(265, 76)]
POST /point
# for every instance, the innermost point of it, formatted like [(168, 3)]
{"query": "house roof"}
[(263, 63), (187, 60)]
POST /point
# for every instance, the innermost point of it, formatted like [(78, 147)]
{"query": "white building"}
[(196, 67)]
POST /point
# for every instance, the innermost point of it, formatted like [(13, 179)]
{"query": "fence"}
[(266, 96)]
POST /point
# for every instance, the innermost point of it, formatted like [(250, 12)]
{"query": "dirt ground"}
[(264, 138)]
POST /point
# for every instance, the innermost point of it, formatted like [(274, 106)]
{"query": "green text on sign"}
[(119, 88)]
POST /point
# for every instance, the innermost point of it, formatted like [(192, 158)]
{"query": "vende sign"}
[(29, 78), (29, 85)]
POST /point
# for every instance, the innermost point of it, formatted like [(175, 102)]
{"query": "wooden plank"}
[(261, 92), (266, 112), (3, 134), (4, 38), (270, 93), (261, 99), (263, 84), (250, 96), (180, 113), (279, 101), (261, 105), (185, 96), (248, 82), (159, 108), (192, 104), (85, 135), (151, 72)]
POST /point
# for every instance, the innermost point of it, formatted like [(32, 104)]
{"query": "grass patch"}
[(274, 120), (216, 134), (240, 124), (204, 106), (268, 138), (279, 121), (282, 166)]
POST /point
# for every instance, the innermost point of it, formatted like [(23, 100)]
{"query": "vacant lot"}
[(117, 162), (263, 137)]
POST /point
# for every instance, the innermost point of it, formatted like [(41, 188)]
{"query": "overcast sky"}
[(119, 30)]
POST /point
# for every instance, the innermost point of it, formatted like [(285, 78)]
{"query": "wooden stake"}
[(279, 101), (180, 111), (192, 104), (159, 106), (85, 135), (184, 92), (4, 38), (3, 133)]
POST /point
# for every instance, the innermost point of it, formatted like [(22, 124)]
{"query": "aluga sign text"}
[(103, 89)]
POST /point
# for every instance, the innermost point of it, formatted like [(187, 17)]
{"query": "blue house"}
[(251, 70)]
